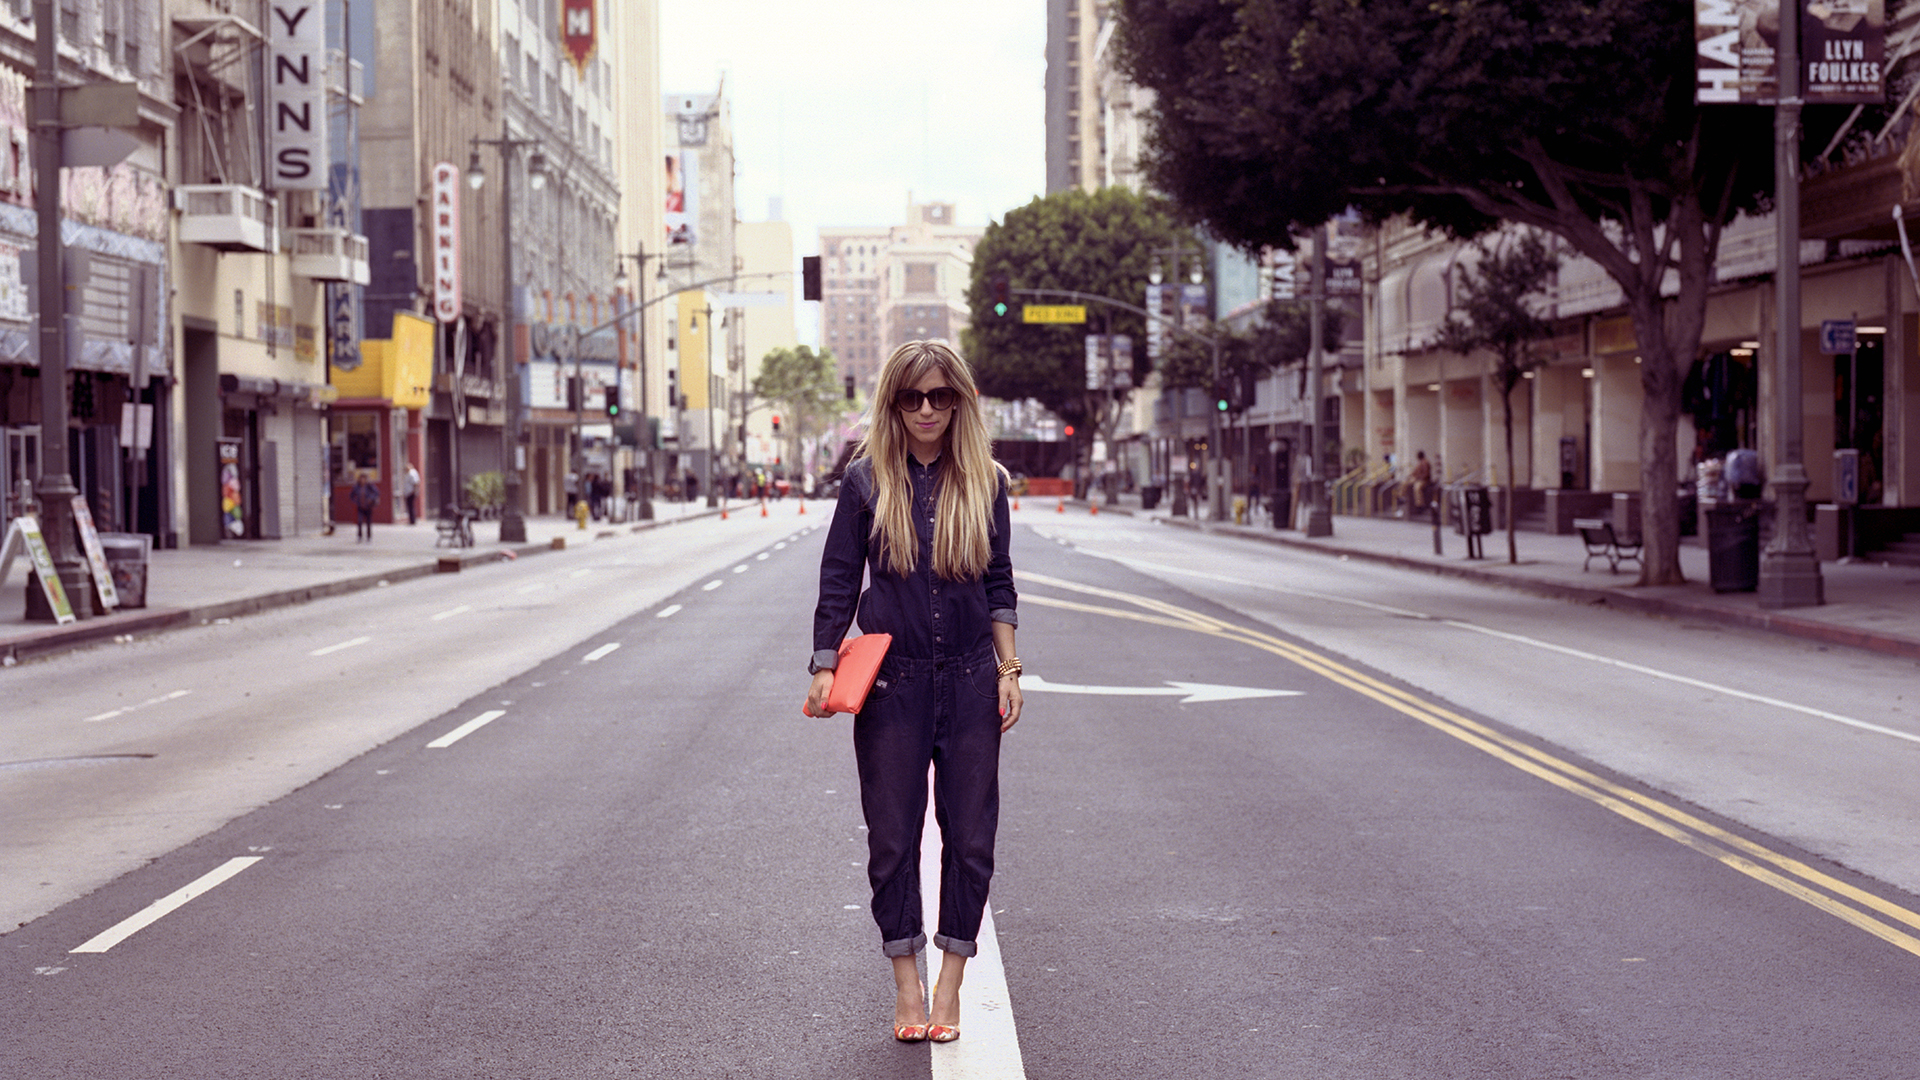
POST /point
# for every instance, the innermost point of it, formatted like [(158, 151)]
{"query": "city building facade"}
[(883, 287)]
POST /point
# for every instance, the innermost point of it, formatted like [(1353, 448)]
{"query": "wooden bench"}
[(1602, 542)]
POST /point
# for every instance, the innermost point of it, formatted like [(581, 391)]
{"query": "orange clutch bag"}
[(859, 662)]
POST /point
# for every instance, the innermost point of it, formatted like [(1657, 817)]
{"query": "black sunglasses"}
[(941, 398)]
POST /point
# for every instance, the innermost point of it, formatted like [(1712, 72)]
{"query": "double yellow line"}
[(1876, 915)]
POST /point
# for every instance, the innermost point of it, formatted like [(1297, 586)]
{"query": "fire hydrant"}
[(580, 513)]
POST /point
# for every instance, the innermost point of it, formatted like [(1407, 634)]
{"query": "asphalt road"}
[(580, 829)]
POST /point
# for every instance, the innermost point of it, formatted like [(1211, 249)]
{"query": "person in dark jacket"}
[(365, 496), (923, 515)]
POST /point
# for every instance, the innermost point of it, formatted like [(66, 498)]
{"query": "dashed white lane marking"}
[(466, 729), (111, 713), (342, 645), (451, 612), (582, 572), (989, 1044), (667, 612), (711, 585), (762, 557), (525, 589), (600, 652), (741, 569), (160, 908)]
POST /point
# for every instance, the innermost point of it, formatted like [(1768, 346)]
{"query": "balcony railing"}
[(231, 217), (330, 254)]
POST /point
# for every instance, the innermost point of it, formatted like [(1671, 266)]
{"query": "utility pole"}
[(1318, 521), (1789, 570), (55, 489)]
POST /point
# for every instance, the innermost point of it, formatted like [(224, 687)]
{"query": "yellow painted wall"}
[(693, 348)]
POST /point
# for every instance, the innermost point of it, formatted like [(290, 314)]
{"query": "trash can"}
[(1733, 547), (127, 562), (1149, 496)]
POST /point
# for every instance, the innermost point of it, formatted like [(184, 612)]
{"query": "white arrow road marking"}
[(466, 729), (342, 645), (160, 908), (600, 652), (1187, 692)]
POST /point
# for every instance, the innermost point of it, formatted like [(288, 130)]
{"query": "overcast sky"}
[(843, 107)]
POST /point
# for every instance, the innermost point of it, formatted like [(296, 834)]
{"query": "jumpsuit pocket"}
[(985, 681), (886, 683)]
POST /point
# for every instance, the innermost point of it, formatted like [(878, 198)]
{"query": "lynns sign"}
[(297, 97)]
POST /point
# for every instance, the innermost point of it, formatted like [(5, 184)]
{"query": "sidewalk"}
[(1869, 605), (192, 585)]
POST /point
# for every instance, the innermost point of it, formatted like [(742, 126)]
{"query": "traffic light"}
[(810, 277), (1069, 430), (613, 403), (776, 423), (1002, 294), (1222, 395), (849, 388), (573, 393)]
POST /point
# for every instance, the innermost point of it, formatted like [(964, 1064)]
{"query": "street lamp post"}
[(1318, 519), (713, 495), (645, 507), (513, 524)]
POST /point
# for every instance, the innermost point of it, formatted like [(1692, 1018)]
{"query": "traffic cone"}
[(763, 508), (1093, 508), (1016, 503), (1060, 507), (803, 507)]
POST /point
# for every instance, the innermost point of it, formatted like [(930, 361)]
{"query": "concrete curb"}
[(1663, 606), (50, 640)]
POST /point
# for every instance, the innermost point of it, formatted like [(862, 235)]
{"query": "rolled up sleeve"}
[(1002, 600)]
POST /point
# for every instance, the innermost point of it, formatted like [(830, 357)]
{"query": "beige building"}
[(639, 149), (765, 324), (881, 288)]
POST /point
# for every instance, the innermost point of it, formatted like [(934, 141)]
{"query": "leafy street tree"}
[(1102, 243), (1499, 312), (1573, 116), (805, 386)]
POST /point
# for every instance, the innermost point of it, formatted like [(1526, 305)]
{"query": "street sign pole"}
[(1789, 570)]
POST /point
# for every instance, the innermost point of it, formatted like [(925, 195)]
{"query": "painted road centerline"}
[(466, 729), (342, 645), (160, 908)]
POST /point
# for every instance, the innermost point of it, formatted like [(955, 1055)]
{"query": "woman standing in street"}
[(923, 513)]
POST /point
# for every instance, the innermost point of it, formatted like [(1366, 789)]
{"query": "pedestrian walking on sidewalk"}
[(410, 493), (923, 514), (366, 496)]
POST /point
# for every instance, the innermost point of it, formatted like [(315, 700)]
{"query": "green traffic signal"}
[(1221, 404), (1000, 309)]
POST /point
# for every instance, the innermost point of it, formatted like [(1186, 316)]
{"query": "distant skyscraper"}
[(1074, 123)]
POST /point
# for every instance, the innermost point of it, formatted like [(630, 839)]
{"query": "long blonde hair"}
[(969, 478)]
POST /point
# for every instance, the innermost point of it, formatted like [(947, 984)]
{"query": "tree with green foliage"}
[(1102, 243), (1499, 311), (805, 386), (1573, 116)]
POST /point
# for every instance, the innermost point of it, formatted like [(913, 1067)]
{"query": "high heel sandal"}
[(909, 1033), (940, 1033)]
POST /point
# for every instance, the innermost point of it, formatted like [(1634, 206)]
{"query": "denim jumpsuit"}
[(935, 700)]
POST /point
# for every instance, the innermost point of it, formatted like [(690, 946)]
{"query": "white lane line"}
[(600, 652), (451, 612), (583, 572), (762, 557), (525, 589), (667, 612), (111, 713), (1518, 639), (342, 645), (466, 729), (160, 908), (779, 545), (1685, 680), (989, 1045), (711, 585), (741, 569)]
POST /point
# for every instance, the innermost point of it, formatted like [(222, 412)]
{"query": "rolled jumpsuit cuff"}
[(955, 945), (905, 946)]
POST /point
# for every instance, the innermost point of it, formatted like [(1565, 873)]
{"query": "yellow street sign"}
[(1053, 313)]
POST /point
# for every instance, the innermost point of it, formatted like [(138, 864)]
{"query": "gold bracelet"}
[(1011, 666)]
